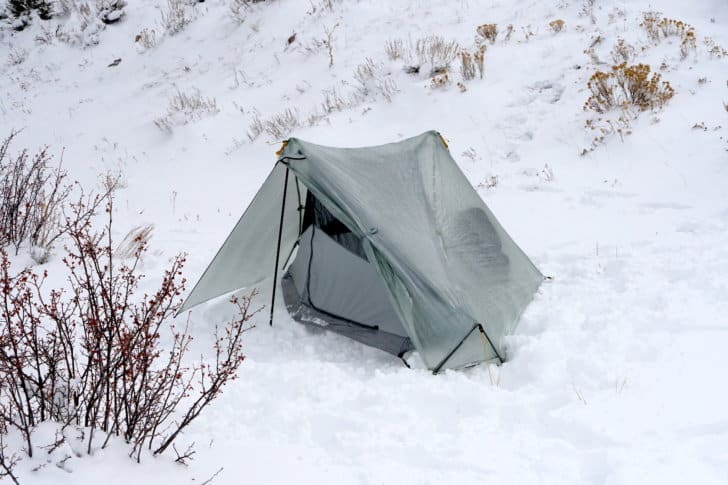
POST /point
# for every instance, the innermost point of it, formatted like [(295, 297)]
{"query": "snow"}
[(615, 374)]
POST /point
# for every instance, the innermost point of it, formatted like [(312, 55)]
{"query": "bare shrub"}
[(658, 28), (175, 17), (333, 102), (279, 126), (32, 193), (17, 56), (509, 32), (185, 107), (467, 66), (255, 128), (146, 39), (239, 9), (329, 42), (488, 32), (625, 86), (432, 50), (587, 10), (372, 83), (603, 128), (528, 32), (394, 49), (479, 58), (437, 52), (83, 28), (557, 25), (687, 44), (622, 51), (714, 50), (91, 356), (470, 64), (8, 460)]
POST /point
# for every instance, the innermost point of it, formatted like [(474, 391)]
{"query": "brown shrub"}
[(625, 86), (488, 32)]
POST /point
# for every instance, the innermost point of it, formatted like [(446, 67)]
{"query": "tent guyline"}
[(392, 247)]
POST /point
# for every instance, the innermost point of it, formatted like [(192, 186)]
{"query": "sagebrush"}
[(627, 86)]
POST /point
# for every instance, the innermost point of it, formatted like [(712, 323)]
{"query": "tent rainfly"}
[(389, 245)]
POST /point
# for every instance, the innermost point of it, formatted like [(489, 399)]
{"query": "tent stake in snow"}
[(278, 247)]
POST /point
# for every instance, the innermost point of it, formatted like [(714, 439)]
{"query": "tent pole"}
[(278, 247)]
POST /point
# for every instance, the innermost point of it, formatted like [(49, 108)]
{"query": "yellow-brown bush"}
[(557, 25), (488, 32), (658, 27), (627, 86)]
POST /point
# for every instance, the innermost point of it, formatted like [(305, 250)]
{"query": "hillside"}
[(615, 373)]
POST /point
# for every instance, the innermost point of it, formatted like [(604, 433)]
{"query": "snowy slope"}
[(616, 373)]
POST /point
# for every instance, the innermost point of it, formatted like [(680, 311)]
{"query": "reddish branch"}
[(97, 355)]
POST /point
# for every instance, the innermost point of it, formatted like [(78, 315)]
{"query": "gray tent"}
[(388, 245)]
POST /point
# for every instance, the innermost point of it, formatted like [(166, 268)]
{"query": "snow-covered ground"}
[(617, 371)]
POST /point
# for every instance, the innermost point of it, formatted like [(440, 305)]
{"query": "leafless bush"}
[(605, 127), (32, 193), (255, 128), (279, 126), (467, 66), (470, 64), (528, 32), (239, 8), (509, 32), (146, 39), (91, 355), (185, 107), (329, 42), (371, 82), (437, 52), (8, 460), (394, 49), (687, 44), (17, 56), (433, 50), (659, 27), (175, 17), (587, 10), (714, 50), (622, 52), (488, 32)]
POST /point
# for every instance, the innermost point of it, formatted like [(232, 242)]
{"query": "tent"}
[(389, 245)]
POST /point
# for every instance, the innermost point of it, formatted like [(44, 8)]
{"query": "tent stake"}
[(278, 248)]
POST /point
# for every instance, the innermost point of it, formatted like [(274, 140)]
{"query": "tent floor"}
[(306, 314)]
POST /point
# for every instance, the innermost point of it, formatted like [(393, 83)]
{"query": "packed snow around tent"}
[(596, 131)]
